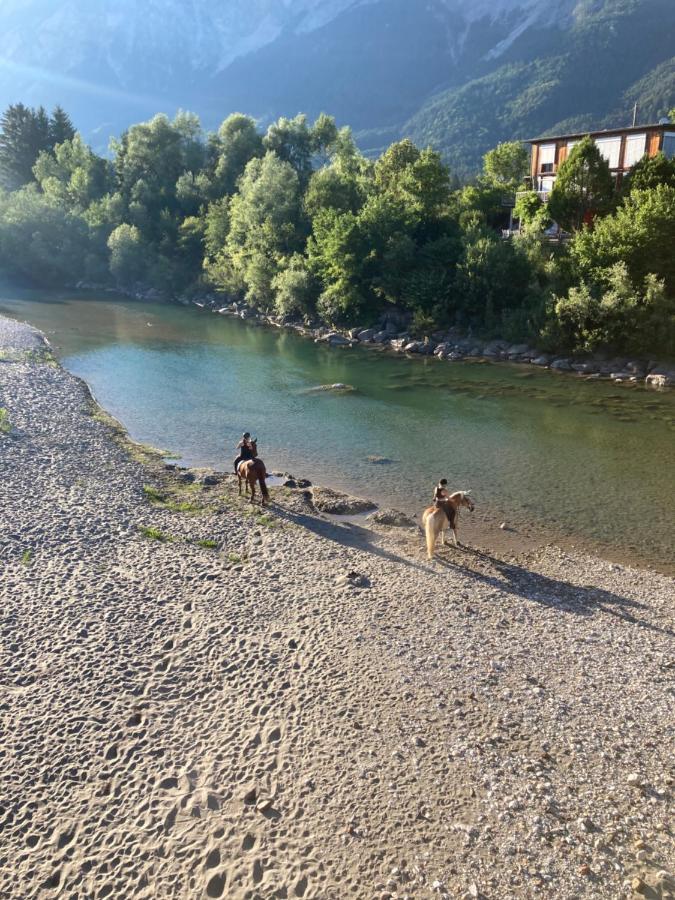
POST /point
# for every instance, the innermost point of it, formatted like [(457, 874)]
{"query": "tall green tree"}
[(235, 145), (266, 225), (60, 127), (24, 133), (506, 165), (583, 189)]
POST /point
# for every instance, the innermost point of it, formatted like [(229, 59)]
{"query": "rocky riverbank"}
[(390, 334), (201, 699)]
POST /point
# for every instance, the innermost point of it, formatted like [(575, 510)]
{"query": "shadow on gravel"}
[(571, 598), (347, 535)]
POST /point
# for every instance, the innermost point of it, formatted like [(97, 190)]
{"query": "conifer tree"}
[(60, 127)]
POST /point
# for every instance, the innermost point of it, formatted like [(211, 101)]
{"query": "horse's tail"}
[(263, 488), (431, 536)]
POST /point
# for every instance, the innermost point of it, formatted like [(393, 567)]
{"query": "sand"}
[(306, 708)]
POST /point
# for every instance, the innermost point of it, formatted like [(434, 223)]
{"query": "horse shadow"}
[(483, 568), (575, 599), (347, 534)]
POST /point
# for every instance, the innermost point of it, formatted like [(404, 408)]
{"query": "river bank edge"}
[(390, 334), (483, 530)]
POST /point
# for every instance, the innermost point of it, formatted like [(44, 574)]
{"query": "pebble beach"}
[(200, 698)]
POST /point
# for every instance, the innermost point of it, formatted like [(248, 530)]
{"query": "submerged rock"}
[(379, 460), (392, 518), (339, 504)]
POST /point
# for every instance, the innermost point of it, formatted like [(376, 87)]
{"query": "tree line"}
[(296, 221)]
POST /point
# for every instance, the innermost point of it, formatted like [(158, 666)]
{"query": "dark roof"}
[(606, 132)]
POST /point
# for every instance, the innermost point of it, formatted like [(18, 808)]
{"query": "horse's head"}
[(465, 500), (254, 447)]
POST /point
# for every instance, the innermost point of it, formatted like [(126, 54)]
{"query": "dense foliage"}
[(297, 222)]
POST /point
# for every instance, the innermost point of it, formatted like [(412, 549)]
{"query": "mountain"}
[(460, 74)]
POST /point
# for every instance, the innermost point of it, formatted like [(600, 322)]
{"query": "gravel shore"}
[(200, 699)]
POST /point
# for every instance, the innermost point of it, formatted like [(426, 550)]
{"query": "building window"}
[(634, 149), (546, 184), (669, 144), (570, 146), (610, 149), (546, 157)]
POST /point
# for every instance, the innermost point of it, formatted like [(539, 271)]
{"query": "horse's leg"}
[(252, 483), (239, 480)]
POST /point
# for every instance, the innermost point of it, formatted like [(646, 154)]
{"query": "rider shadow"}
[(561, 595), (347, 534)]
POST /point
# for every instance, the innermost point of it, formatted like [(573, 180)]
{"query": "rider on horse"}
[(441, 498), (245, 448)]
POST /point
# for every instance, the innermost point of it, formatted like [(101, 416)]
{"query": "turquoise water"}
[(589, 460)]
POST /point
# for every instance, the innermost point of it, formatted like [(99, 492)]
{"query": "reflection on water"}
[(592, 460)]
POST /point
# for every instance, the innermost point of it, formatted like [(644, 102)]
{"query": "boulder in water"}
[(392, 518), (338, 504)]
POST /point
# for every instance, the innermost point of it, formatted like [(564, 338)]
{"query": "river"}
[(585, 462)]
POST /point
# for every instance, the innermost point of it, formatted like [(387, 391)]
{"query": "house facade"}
[(621, 147)]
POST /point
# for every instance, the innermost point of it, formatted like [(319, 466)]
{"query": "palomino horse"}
[(251, 470), (436, 521)]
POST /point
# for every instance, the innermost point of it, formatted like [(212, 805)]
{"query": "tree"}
[(292, 141), (265, 227), (649, 172), (237, 143), (583, 188), (128, 255), (24, 133), (60, 127), (295, 288), (73, 173), (618, 315), (506, 165), (641, 234), (532, 212), (41, 240)]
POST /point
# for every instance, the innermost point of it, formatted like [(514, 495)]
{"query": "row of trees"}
[(295, 220)]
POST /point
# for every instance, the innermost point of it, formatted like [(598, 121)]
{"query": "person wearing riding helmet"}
[(245, 449)]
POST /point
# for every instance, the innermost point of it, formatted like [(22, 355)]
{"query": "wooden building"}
[(621, 147)]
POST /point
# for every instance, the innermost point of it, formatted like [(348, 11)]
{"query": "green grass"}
[(158, 498), (154, 534), (234, 558), (27, 557), (208, 544), (153, 493), (269, 521), (5, 424)]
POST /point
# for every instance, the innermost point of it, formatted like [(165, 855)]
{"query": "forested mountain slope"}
[(455, 73)]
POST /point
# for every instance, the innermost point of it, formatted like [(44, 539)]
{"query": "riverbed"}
[(545, 454)]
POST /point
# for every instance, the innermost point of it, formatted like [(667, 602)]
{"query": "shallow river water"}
[(589, 461)]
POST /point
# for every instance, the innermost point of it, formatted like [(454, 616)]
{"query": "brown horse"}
[(251, 470), (436, 520)]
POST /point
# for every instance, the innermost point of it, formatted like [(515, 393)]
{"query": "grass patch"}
[(267, 520), (234, 558), (208, 544), (158, 498), (183, 506), (154, 534), (153, 493), (26, 557), (5, 424)]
